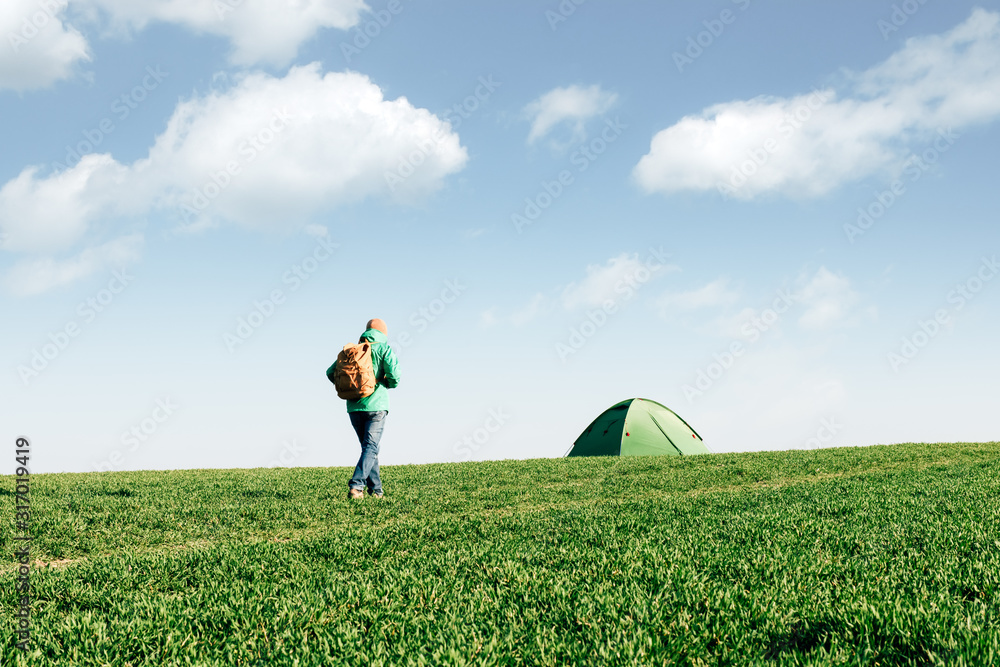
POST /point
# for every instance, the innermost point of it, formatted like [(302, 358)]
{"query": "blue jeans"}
[(368, 426)]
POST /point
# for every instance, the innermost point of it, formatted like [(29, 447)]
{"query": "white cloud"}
[(809, 144), (817, 301), (618, 280), (615, 280), (573, 104), (715, 293), (601, 281), (35, 276), (40, 47), (316, 231), (530, 311), (260, 31), (268, 153), (488, 318), (732, 325), (828, 299), (53, 213), (45, 48)]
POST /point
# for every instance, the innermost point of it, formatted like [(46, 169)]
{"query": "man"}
[(368, 414)]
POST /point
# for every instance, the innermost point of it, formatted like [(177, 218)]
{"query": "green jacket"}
[(386, 374)]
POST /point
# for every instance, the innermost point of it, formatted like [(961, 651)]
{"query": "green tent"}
[(638, 427)]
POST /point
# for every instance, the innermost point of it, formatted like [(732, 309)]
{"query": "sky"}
[(778, 219)]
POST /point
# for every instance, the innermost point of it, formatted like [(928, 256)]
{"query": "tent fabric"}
[(638, 427)]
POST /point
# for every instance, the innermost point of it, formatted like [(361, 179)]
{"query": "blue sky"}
[(776, 218)]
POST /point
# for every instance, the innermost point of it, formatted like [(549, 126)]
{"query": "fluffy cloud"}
[(260, 31), (45, 48), (488, 318), (815, 302), (530, 311), (316, 231), (42, 274), (809, 144), (573, 104), (538, 305), (601, 282), (268, 153), (619, 278), (41, 49), (53, 213), (828, 299), (715, 293)]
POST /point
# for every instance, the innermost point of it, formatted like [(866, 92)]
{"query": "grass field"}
[(879, 555)]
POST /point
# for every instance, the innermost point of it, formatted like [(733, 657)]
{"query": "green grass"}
[(880, 555)]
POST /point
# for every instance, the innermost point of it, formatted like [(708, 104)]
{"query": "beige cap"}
[(379, 325)]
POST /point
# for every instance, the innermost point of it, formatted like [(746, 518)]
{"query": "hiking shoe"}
[(355, 494)]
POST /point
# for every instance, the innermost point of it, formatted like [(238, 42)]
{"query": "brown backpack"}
[(354, 376)]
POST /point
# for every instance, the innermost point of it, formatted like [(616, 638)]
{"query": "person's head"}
[(378, 325)]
